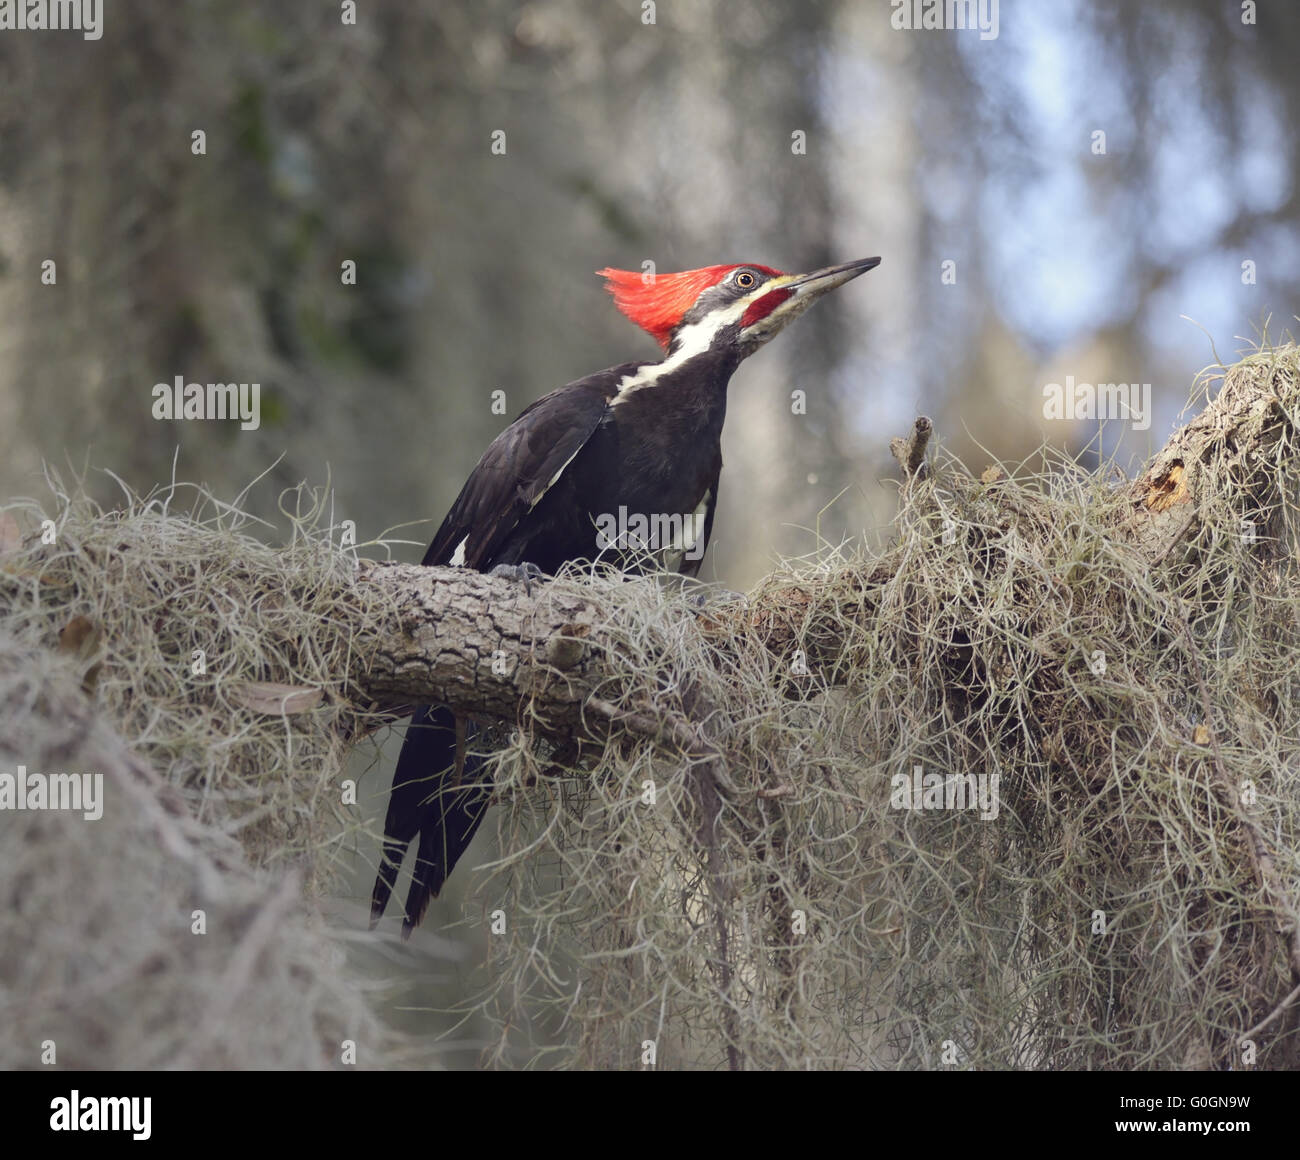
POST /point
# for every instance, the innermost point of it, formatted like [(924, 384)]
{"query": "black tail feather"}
[(428, 751), (428, 800), (442, 845)]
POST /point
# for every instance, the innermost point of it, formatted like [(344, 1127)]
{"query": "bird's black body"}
[(660, 453), (658, 450), (643, 438)]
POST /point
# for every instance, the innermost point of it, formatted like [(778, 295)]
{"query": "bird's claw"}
[(712, 596), (524, 573)]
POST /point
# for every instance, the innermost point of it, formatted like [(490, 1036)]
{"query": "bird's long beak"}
[(781, 300), (816, 284)]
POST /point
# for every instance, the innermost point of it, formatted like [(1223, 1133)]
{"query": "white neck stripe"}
[(691, 342)]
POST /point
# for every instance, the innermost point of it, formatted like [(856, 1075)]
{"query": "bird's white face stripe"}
[(458, 556), (692, 341)]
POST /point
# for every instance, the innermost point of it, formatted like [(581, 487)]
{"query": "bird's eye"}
[(745, 280)]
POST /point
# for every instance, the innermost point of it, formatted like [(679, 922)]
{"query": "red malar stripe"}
[(764, 306)]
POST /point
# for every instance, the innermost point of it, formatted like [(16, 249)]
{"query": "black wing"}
[(519, 468)]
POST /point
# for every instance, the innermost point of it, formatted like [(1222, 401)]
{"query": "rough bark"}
[(481, 645), (1234, 439)]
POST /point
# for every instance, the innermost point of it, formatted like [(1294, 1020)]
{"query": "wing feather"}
[(520, 466)]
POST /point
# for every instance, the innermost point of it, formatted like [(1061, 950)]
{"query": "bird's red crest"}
[(656, 302)]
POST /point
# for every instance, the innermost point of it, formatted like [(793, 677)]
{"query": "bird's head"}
[(742, 305)]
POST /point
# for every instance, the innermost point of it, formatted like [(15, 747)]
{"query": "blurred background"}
[(791, 134), (1103, 190)]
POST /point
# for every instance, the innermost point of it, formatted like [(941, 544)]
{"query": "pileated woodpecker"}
[(642, 438)]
